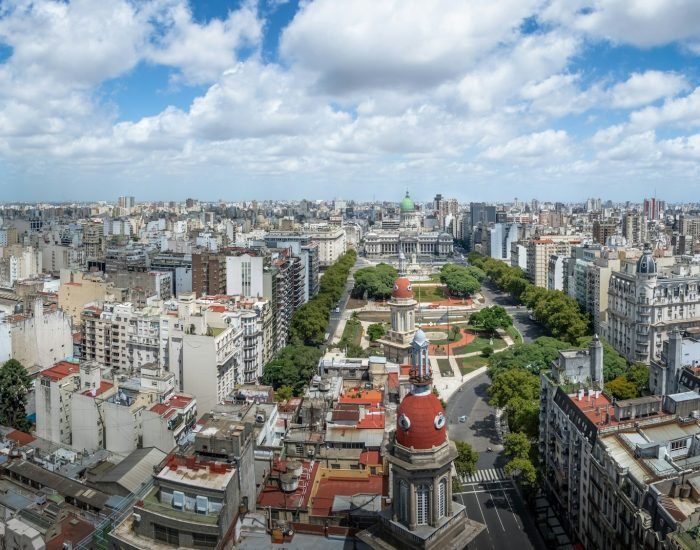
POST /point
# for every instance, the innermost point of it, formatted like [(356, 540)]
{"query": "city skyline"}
[(557, 100)]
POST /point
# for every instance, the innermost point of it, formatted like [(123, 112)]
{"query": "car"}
[(463, 418), (337, 310)]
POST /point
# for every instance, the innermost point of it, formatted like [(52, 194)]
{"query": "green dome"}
[(407, 204)]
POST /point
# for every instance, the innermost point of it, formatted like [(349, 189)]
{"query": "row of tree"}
[(462, 282), (375, 283), (295, 364), (310, 322), (490, 319), (558, 312)]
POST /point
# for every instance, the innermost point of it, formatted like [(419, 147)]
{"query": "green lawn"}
[(515, 335), (428, 293), (478, 344), (352, 332), (469, 364), (374, 316), (435, 277), (445, 368)]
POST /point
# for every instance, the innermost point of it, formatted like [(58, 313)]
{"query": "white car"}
[(463, 418)]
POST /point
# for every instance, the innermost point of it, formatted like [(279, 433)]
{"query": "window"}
[(178, 500), (201, 505), (299, 449), (422, 505), (442, 498), (166, 534), (679, 444), (201, 540), (403, 501)]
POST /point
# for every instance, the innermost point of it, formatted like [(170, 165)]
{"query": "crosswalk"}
[(488, 474)]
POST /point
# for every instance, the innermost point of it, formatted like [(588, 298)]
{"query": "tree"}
[(507, 384), (522, 468), (621, 388), (523, 416), (376, 282), (466, 460), (14, 386), (487, 351), (309, 324), (516, 445), (284, 393), (459, 281), (375, 331), (491, 319), (638, 374), (455, 332), (293, 366)]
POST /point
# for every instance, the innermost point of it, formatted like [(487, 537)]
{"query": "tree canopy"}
[(14, 386), (375, 331), (491, 318), (375, 282), (509, 383), (293, 366), (465, 463), (461, 281)]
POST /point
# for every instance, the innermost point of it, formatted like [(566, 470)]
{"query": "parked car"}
[(463, 418)]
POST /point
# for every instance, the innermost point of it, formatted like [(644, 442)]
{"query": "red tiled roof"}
[(104, 386), (364, 397), (370, 458), (22, 438), (372, 421), (180, 401), (60, 370), (159, 408), (405, 370), (331, 487), (217, 308), (73, 529), (340, 415)]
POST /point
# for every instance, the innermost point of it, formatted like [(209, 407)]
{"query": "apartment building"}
[(52, 394), (621, 474), (208, 272), (197, 498), (38, 339), (331, 241), (125, 337), (79, 288), (634, 229), (539, 250), (646, 303), (206, 352)]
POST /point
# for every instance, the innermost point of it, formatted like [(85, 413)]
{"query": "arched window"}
[(422, 504), (442, 498), (403, 502)]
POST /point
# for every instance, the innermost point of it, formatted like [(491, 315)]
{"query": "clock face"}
[(404, 422), (439, 421)]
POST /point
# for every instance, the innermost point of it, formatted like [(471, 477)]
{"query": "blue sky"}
[(480, 100)]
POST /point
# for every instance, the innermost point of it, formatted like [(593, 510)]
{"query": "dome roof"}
[(402, 288), (419, 337), (407, 204), (646, 264), (421, 422)]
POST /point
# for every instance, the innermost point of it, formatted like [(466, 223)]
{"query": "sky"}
[(355, 99)]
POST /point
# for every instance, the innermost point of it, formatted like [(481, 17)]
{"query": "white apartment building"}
[(332, 243), (52, 392), (244, 275), (206, 352), (644, 306), (76, 405), (38, 340), (19, 262)]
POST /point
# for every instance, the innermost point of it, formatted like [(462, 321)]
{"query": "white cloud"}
[(643, 23), (644, 88), (551, 144), (412, 44), (682, 110), (202, 52)]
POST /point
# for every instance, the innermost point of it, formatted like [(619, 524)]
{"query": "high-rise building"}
[(602, 230), (634, 229), (208, 273)]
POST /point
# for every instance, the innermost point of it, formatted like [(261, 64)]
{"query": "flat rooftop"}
[(189, 471)]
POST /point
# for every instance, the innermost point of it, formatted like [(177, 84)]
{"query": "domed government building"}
[(410, 237)]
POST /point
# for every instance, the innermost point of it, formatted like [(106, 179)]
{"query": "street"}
[(498, 505)]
